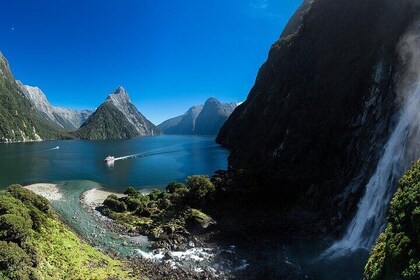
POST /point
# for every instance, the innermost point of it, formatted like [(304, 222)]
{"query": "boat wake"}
[(167, 150)]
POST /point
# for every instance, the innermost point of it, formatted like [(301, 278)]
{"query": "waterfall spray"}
[(402, 148)]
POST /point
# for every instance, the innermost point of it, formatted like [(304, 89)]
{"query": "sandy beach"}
[(49, 191), (95, 197)]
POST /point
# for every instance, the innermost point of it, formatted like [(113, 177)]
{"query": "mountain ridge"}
[(116, 118), (63, 118), (19, 122), (200, 119)]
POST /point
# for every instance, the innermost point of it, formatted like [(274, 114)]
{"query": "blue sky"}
[(169, 55)]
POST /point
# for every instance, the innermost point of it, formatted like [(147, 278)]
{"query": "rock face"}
[(62, 118), (116, 118), (323, 103), (200, 120), (19, 122), (212, 117), (184, 124)]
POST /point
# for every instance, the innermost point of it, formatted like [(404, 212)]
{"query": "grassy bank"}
[(34, 244)]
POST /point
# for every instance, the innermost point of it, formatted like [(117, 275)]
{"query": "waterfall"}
[(402, 148)]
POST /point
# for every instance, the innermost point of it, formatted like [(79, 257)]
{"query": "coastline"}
[(185, 264), (47, 190), (94, 198)]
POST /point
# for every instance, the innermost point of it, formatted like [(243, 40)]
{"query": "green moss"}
[(396, 254), (65, 256), (48, 250)]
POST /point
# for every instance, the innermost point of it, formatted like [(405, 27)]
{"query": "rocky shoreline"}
[(157, 264), (185, 262)]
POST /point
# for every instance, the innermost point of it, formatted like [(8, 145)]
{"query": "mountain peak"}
[(120, 90), (119, 96), (117, 118), (202, 120), (211, 100)]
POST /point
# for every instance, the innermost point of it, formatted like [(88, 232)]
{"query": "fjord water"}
[(161, 160), (78, 166)]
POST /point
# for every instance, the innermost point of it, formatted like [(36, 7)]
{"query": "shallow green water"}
[(91, 228)]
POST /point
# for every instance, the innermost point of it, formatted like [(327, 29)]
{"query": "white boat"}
[(109, 159)]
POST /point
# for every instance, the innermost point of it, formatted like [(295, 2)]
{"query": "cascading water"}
[(402, 148)]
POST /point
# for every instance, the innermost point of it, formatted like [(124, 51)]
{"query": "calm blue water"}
[(164, 159)]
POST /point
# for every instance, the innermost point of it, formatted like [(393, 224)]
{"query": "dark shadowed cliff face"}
[(212, 117), (323, 103), (184, 124), (200, 120)]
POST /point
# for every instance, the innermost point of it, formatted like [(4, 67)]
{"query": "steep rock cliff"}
[(323, 104), (19, 122)]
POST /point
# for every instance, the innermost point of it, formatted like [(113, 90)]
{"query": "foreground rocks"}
[(169, 218)]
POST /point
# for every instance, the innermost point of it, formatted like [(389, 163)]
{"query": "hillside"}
[(323, 105), (116, 118), (62, 118), (19, 122), (200, 120), (34, 244)]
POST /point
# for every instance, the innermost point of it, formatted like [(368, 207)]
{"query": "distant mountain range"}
[(19, 120), (116, 118), (62, 118), (200, 120), (27, 115)]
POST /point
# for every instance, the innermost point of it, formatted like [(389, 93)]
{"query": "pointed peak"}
[(120, 90), (119, 95)]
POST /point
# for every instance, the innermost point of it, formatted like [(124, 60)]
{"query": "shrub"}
[(174, 186), (130, 191), (14, 262), (154, 194), (38, 218), (14, 227), (133, 203), (180, 195), (114, 204), (200, 187), (29, 198), (396, 254)]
